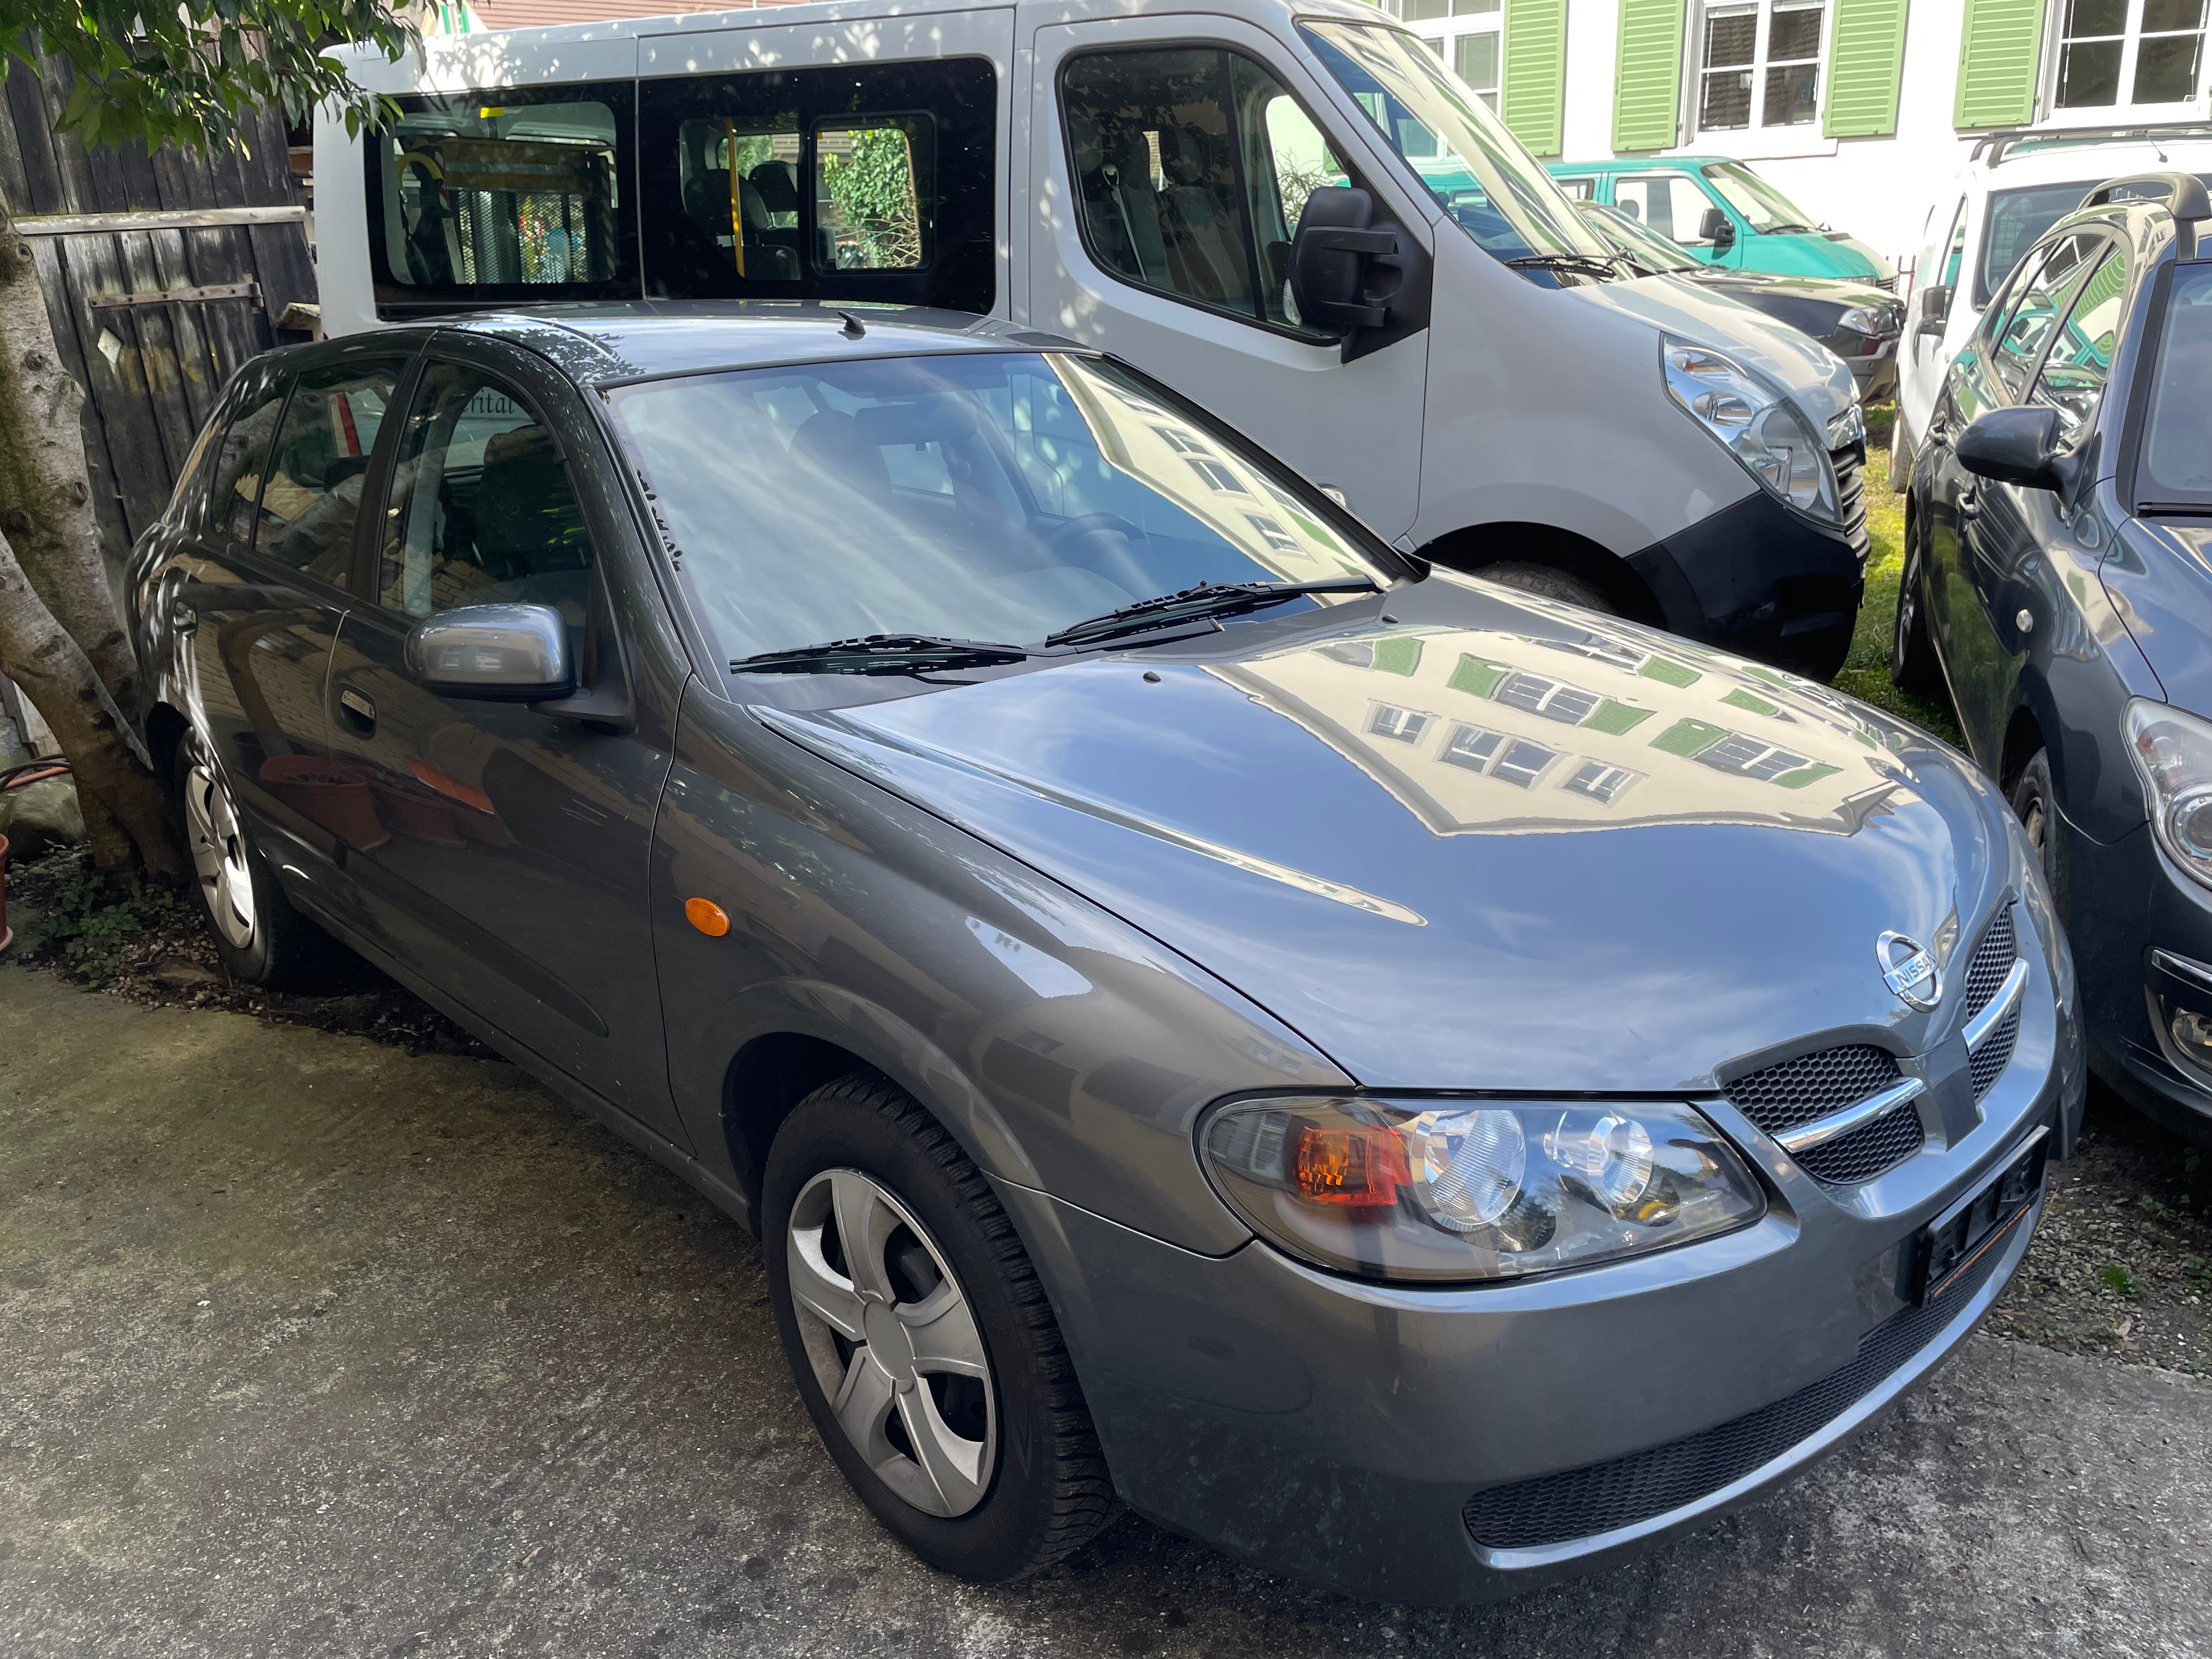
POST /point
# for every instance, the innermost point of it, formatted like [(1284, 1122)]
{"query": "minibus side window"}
[(518, 194), (1192, 168), (1666, 202), (856, 182)]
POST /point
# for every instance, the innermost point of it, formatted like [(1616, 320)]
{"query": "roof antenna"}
[(852, 331)]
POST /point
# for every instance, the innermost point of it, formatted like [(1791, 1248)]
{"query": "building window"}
[(1750, 757), (1555, 700), (1220, 476), (1465, 33), (1760, 64), (1277, 538), (1406, 725), (2129, 51), (1513, 760), (1601, 782)]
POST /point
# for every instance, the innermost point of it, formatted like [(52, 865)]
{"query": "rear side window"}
[(235, 491), (859, 183), (311, 499), (1667, 203), (1192, 168), (519, 195)]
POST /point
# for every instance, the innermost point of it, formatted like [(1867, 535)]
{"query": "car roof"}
[(597, 343), (2055, 159), (1638, 164)]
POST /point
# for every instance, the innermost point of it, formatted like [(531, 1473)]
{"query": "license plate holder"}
[(1949, 1245)]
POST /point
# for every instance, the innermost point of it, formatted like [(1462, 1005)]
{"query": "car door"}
[(510, 870), (1920, 367), (1677, 205), (260, 601), (1169, 179), (2003, 528)]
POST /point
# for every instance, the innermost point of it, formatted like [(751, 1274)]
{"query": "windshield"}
[(1638, 242), (1763, 207), (1475, 168), (2018, 218), (2177, 449), (992, 496)]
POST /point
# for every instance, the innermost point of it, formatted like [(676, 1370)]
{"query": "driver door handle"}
[(358, 711), (1968, 508)]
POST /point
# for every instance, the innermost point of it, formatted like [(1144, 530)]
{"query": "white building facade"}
[(1859, 110)]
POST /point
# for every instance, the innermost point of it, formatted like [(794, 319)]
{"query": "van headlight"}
[(2173, 753), (1468, 1190), (1755, 423)]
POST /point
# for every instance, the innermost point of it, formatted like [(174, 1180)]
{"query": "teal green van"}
[(1725, 214)]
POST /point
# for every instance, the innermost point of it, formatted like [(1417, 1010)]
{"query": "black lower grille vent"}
[(1999, 949), (1783, 1097), (1995, 1052), (1867, 1150), (1554, 1509)]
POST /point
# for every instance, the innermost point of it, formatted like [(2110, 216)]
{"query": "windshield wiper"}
[(1789, 224), (1600, 265), (880, 654), (1206, 599)]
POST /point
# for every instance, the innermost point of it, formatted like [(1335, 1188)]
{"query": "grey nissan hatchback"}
[(1424, 1086)]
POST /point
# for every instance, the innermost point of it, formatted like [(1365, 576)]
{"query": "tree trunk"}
[(46, 491), (122, 803)]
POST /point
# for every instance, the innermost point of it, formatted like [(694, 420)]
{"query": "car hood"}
[(1817, 380), (2160, 580), (1840, 290), (1493, 843)]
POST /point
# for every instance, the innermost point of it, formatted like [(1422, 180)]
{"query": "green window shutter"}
[(1998, 57), (1533, 88), (1647, 90), (1400, 656), (1866, 61)]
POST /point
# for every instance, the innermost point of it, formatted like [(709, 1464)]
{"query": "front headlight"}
[(1880, 321), (1465, 1190), (1755, 423), (2173, 753)]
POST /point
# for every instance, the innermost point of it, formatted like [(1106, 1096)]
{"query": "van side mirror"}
[(1934, 308), (503, 652), (1717, 228), (2017, 445), (1345, 269)]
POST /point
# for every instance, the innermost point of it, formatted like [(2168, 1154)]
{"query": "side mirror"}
[(1934, 308), (503, 653), (2016, 445), (1717, 228), (1345, 269)]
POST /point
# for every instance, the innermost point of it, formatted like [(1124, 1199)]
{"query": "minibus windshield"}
[(1645, 245), (997, 497), (1476, 169)]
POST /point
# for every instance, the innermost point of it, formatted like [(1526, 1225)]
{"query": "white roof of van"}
[(2054, 158)]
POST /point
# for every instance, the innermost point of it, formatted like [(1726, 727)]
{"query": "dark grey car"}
[(2056, 586), (1424, 1086)]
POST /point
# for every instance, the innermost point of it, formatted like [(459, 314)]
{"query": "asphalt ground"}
[(310, 1345)]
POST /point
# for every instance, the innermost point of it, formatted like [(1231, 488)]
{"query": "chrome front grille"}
[(1786, 1100)]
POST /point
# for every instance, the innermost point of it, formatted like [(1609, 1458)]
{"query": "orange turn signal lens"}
[(1362, 1166), (708, 917)]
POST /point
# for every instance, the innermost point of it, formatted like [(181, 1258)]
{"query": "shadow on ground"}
[(316, 1347)]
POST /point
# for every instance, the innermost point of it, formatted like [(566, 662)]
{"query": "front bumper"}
[(1394, 1444), (2153, 929), (1760, 579)]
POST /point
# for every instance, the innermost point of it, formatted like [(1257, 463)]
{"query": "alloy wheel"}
[(893, 1342), (219, 853)]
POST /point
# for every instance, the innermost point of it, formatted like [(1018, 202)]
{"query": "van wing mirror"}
[(1934, 308), (1717, 228), (2016, 445), (502, 652), (1346, 269)]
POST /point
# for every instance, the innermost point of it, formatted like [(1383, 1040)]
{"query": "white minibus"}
[(1296, 215)]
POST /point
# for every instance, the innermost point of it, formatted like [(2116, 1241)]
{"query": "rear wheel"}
[(261, 939), (920, 1338), (1549, 582), (1912, 664)]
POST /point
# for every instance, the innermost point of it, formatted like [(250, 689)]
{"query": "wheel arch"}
[(1470, 549)]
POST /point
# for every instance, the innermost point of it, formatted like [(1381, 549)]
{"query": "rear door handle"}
[(358, 710)]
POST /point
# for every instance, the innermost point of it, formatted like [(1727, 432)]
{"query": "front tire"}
[(2035, 803), (1549, 582), (920, 1339), (261, 939), (1912, 666)]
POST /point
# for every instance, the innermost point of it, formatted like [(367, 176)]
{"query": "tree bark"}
[(45, 490), (122, 802)]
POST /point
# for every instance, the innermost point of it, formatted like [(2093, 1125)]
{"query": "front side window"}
[(2177, 444), (1761, 206), (2079, 361), (1651, 252), (1760, 64), (311, 500), (870, 182), (2039, 303), (2113, 52), (1192, 168), (1464, 155), (515, 195), (482, 511), (1669, 204), (997, 497)]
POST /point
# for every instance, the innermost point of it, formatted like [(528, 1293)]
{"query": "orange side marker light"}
[(708, 917)]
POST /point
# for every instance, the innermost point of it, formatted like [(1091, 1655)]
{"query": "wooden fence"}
[(162, 274)]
